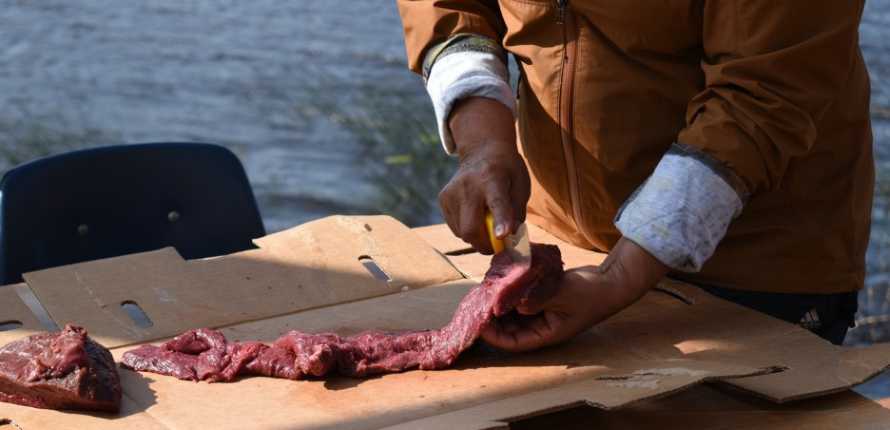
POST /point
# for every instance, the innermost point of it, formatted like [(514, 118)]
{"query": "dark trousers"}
[(827, 315)]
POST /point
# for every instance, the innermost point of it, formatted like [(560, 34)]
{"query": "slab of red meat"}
[(193, 355), (60, 370), (204, 354)]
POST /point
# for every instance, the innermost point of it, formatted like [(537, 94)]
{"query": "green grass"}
[(405, 160)]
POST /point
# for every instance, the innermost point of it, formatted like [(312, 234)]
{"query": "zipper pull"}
[(561, 10)]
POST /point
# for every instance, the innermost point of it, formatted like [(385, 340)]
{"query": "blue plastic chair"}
[(115, 200)]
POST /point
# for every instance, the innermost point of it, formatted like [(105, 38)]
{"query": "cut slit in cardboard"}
[(661, 345)]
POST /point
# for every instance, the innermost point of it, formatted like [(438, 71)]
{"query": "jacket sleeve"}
[(771, 69), (428, 22)]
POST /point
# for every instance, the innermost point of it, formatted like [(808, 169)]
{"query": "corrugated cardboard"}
[(316, 264), (707, 408), (12, 309), (673, 339)]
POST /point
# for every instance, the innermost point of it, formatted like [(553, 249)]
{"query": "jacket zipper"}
[(564, 106)]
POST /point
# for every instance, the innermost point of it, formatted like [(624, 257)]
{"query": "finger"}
[(497, 197), (529, 307), (452, 217), (509, 326), (539, 298), (472, 224), (533, 333), (495, 335), (520, 190)]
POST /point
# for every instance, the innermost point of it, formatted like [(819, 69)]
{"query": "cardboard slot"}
[(10, 325), (376, 271), (139, 317)]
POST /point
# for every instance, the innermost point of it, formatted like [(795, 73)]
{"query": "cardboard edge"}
[(440, 237), (499, 413), (29, 298), (14, 309), (878, 353)]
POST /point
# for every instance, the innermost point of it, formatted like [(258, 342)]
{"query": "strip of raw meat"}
[(179, 365), (273, 362), (203, 354), (194, 355), (60, 370), (506, 284)]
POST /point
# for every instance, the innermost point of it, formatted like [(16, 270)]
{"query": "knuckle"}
[(498, 201), (443, 197)]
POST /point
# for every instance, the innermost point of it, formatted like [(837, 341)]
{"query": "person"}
[(723, 143)]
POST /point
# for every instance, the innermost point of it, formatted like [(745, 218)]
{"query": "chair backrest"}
[(115, 200)]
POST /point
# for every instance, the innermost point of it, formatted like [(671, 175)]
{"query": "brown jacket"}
[(776, 91)]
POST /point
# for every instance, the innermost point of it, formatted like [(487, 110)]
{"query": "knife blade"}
[(516, 245)]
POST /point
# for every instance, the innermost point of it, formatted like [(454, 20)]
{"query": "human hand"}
[(491, 173), (586, 296)]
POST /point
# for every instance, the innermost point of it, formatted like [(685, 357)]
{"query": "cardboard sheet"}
[(131, 417), (13, 310), (724, 331), (641, 353), (605, 376), (316, 264), (780, 343), (310, 278), (707, 408)]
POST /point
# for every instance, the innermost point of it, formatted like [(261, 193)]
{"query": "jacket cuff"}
[(682, 211), (466, 73), (461, 42)]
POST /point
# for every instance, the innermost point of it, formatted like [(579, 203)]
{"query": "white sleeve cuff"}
[(681, 212), (466, 74)]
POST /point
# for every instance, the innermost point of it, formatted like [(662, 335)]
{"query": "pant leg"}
[(827, 315)]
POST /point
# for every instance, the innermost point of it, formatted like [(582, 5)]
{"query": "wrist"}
[(478, 123), (632, 267), (604, 295)]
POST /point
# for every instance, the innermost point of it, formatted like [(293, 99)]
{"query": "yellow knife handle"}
[(497, 245)]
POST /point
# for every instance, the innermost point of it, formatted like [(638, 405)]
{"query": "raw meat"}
[(60, 370), (204, 354)]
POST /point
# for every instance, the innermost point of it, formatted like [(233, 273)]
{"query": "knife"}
[(516, 245)]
